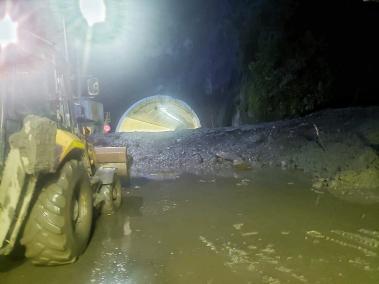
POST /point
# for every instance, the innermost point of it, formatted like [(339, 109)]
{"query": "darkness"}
[(237, 61), (349, 29), (200, 52), (288, 194)]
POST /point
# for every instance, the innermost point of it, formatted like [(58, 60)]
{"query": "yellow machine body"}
[(67, 143)]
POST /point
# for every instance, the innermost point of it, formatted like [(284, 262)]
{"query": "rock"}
[(198, 158), (320, 183), (347, 159), (373, 137), (358, 186), (369, 132), (241, 165), (228, 156), (283, 165), (258, 138)]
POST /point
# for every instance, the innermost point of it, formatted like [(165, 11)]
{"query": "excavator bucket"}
[(112, 157)]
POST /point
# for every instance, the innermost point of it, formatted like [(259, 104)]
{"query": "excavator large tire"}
[(59, 225)]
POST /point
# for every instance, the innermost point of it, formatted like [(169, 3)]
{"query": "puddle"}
[(265, 227)]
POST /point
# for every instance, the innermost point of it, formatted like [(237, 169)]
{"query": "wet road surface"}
[(264, 227)]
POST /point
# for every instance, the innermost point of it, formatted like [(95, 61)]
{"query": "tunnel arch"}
[(158, 113)]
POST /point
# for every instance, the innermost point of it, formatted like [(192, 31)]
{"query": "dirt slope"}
[(339, 148)]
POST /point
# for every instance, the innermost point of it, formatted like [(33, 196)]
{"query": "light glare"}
[(93, 11), (165, 111), (8, 31)]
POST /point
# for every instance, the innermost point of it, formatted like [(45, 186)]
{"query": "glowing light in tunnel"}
[(165, 111), (8, 31), (158, 113), (94, 11)]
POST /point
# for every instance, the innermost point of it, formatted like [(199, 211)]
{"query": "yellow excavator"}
[(52, 179)]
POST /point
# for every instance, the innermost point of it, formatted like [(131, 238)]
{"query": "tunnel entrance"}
[(158, 114)]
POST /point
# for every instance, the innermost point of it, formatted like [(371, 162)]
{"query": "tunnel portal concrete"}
[(157, 114)]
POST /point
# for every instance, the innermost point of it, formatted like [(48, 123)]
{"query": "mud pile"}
[(339, 148)]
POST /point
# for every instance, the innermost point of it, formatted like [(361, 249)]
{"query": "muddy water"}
[(265, 227)]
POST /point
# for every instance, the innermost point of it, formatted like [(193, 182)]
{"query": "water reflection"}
[(247, 229)]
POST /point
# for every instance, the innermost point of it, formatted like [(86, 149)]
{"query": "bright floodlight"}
[(94, 11), (8, 31)]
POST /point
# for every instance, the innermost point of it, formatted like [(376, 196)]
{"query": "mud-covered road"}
[(339, 148), (251, 229)]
